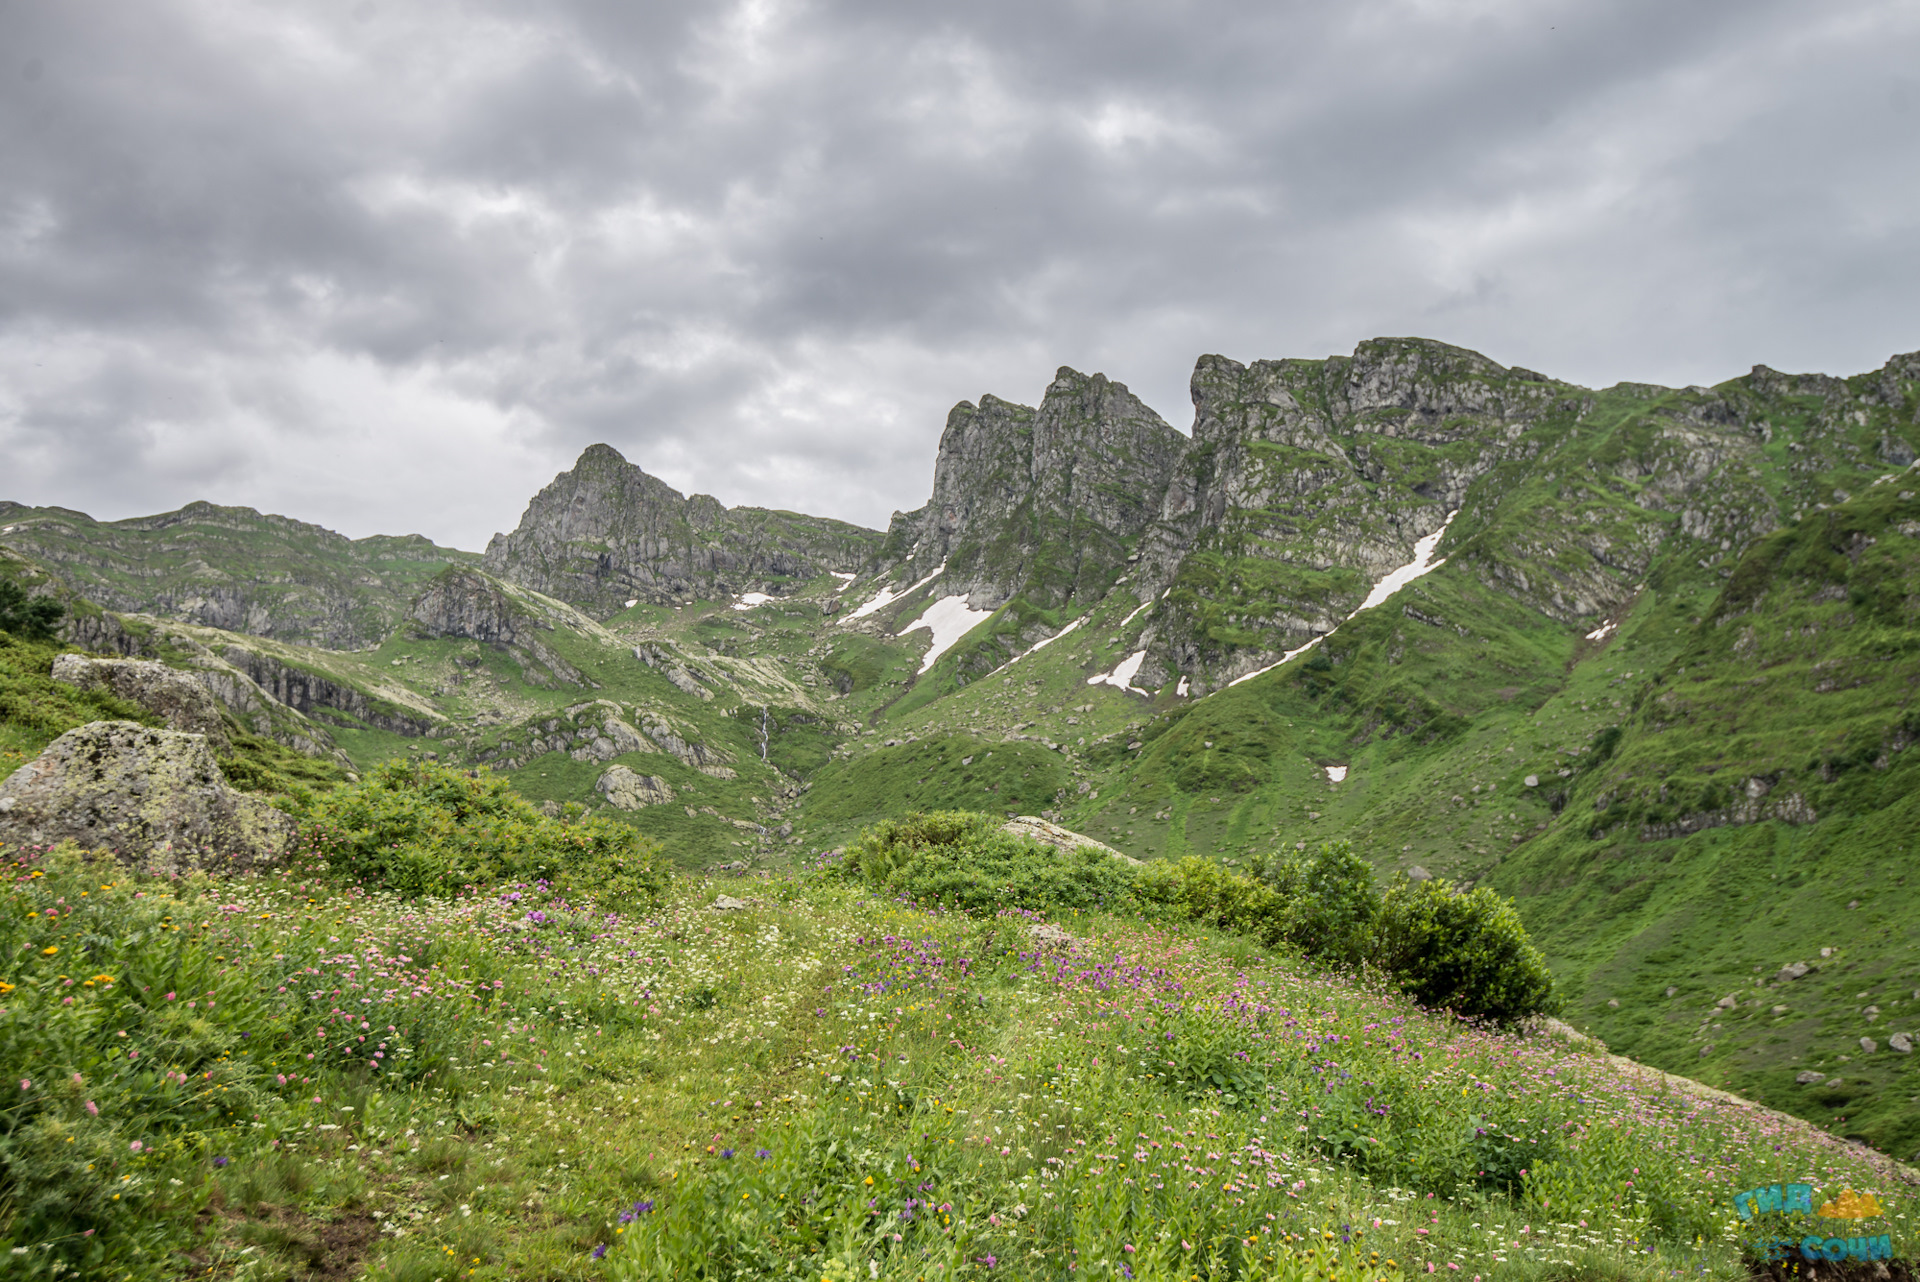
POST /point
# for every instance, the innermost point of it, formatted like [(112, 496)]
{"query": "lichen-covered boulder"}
[(156, 798), (629, 791), (175, 697)]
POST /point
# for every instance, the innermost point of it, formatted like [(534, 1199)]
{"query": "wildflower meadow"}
[(301, 1074)]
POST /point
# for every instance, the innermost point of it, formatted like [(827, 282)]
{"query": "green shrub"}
[(963, 860), (1199, 890), (1324, 904), (33, 618), (1465, 952), (1332, 903), (425, 829)]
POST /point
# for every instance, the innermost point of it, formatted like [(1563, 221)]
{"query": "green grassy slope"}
[(235, 568), (1762, 806)]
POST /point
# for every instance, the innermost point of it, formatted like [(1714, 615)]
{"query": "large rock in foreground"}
[(176, 698), (156, 798)]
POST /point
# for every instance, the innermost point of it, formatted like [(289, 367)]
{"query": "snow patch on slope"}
[(1121, 678), (887, 596), (1422, 563), (1044, 642), (948, 619)]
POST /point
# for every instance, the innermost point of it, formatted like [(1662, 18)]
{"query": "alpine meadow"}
[(1428, 818)]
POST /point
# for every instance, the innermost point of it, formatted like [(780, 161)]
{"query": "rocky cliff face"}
[(234, 568), (183, 703), (229, 678), (1306, 481), (1044, 504), (606, 532), (470, 605)]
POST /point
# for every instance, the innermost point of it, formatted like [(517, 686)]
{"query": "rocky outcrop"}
[(626, 790), (610, 737), (1307, 481), (606, 532), (155, 798), (471, 605), (315, 694), (1064, 840), (177, 699), (1043, 503), (256, 710), (707, 760)]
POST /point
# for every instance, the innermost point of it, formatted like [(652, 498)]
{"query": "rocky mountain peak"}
[(1039, 502), (606, 532)]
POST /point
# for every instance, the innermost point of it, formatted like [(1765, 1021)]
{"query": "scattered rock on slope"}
[(156, 798), (176, 698)]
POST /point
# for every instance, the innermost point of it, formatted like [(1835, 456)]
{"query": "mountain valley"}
[(1656, 680)]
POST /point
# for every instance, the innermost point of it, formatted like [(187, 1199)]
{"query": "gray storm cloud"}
[(389, 267)]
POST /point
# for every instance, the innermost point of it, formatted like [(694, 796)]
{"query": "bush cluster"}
[(1466, 952), (957, 859), (424, 829)]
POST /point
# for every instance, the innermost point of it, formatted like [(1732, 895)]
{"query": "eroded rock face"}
[(175, 697), (156, 798), (606, 532), (1040, 502), (627, 790), (468, 604)]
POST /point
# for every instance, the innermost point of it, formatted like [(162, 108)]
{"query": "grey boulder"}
[(176, 698), (1064, 840), (155, 798)]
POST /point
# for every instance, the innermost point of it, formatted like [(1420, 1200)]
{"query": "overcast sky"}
[(391, 266)]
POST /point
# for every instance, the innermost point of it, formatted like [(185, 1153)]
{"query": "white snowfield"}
[(886, 596), (1337, 773), (1121, 678), (747, 600), (1422, 563), (948, 619)]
